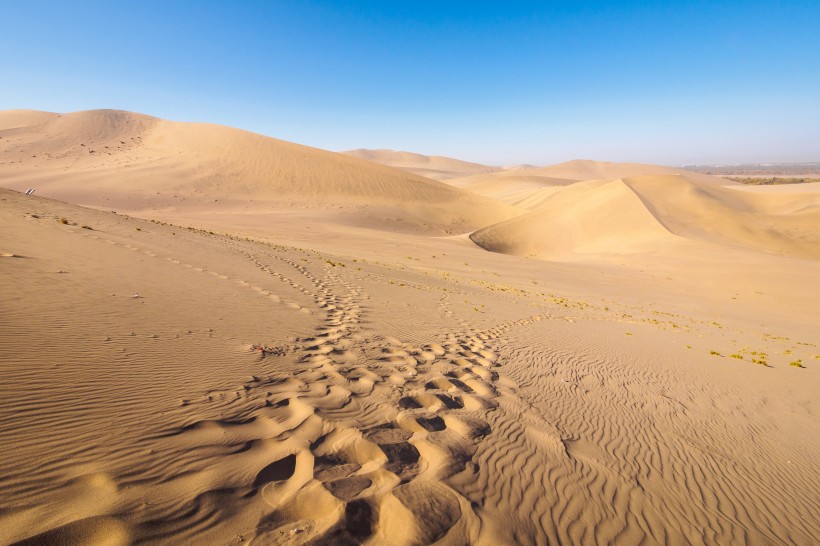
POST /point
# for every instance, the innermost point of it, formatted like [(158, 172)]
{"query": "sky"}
[(500, 83)]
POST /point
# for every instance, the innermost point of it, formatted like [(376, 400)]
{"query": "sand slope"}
[(518, 188), (649, 213), (529, 187), (127, 161), (312, 367), (584, 218), (163, 385), (435, 167)]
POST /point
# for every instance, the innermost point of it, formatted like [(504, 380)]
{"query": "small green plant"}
[(64, 221), (760, 361), (739, 357), (796, 363), (715, 353)]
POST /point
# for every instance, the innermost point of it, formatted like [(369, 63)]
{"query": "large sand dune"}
[(286, 375), (435, 167), (125, 161), (653, 213)]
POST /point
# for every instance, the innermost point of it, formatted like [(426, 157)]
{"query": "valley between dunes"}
[(214, 337)]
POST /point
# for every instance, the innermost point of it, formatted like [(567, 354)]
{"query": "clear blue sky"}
[(494, 82)]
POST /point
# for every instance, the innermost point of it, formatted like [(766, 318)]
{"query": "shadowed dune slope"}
[(647, 213), (128, 161), (435, 167)]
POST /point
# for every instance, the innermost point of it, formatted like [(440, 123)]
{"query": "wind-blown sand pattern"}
[(287, 379)]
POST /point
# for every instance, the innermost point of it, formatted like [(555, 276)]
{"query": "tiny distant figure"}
[(29, 191)]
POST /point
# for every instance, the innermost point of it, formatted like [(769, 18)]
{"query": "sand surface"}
[(436, 167), (530, 187), (198, 369), (124, 161), (668, 215)]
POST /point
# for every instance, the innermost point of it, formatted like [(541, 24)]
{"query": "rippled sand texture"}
[(201, 388), (272, 344)]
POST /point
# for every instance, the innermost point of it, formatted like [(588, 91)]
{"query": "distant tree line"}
[(760, 181)]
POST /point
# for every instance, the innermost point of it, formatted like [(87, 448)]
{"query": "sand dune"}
[(13, 119), (435, 167), (649, 213), (585, 218), (166, 385), (529, 187), (254, 353), (125, 161)]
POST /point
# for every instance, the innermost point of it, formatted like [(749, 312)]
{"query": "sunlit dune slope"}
[(128, 161), (435, 167), (648, 213)]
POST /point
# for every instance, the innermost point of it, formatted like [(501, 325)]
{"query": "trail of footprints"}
[(261, 291), (363, 437)]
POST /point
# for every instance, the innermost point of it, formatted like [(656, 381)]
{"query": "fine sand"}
[(530, 187), (435, 167), (272, 344)]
